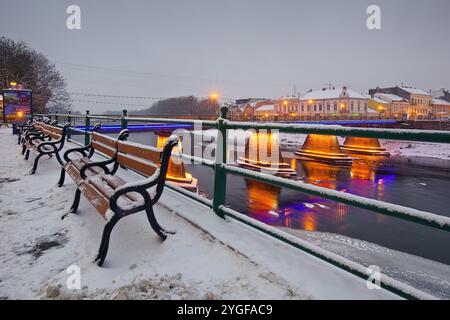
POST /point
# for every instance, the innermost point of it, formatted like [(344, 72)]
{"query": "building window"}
[(320, 107), (335, 106), (315, 107), (303, 108)]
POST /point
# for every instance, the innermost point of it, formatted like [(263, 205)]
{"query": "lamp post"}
[(214, 98)]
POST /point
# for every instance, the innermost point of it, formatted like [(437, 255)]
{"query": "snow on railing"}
[(336, 130), (386, 282)]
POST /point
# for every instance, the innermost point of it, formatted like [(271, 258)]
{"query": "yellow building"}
[(381, 106)]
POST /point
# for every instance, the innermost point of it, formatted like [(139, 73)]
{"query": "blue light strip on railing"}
[(116, 128), (349, 122)]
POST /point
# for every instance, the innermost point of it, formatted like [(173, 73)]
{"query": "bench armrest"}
[(41, 145), (100, 164), (41, 137), (140, 187), (81, 150)]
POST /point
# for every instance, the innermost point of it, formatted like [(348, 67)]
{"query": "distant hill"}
[(177, 106)]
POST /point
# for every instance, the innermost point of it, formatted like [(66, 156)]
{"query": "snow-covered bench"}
[(103, 144), (33, 129), (115, 198), (47, 140), (23, 129)]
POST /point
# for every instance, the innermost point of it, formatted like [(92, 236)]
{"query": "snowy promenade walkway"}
[(207, 258)]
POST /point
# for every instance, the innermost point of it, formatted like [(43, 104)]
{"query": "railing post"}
[(87, 126), (220, 175), (69, 120), (123, 120)]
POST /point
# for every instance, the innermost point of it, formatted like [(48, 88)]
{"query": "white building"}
[(266, 111), (333, 102), (441, 108)]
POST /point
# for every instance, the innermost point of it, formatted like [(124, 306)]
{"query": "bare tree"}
[(22, 64)]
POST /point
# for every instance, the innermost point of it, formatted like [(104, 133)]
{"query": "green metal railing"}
[(222, 168)]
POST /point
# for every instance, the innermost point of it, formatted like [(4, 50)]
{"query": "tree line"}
[(31, 69), (188, 105)]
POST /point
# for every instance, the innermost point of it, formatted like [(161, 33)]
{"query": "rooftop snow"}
[(332, 94), (266, 107), (380, 100), (415, 90), (441, 102), (390, 97)]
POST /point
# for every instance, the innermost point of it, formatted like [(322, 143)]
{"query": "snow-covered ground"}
[(37, 247), (207, 258)]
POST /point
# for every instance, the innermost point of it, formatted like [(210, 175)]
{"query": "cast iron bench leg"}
[(104, 245), (36, 162), (62, 177), (76, 201), (153, 223)]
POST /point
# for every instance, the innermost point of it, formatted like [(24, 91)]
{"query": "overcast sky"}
[(241, 48)]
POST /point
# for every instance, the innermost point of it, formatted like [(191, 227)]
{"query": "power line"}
[(162, 77), (111, 103), (115, 96)]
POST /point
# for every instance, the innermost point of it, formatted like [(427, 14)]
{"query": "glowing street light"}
[(20, 114), (310, 101), (13, 84), (214, 96)]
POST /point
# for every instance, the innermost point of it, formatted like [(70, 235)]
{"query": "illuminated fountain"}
[(176, 172), (323, 148), (365, 146), (262, 153)]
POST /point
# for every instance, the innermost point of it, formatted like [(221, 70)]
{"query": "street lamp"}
[(214, 96), (13, 84)]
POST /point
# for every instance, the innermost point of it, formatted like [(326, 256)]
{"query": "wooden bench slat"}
[(95, 197), (140, 151), (55, 136), (103, 148), (138, 164), (106, 140), (56, 130)]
